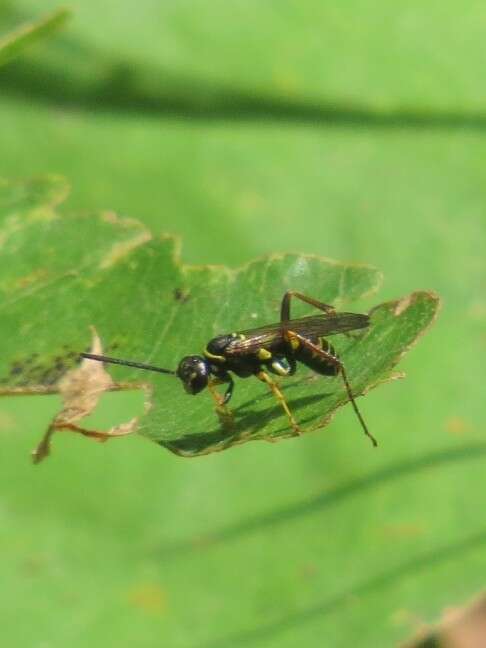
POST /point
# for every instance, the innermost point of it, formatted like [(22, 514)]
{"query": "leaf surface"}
[(70, 281)]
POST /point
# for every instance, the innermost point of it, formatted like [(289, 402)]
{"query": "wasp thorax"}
[(194, 373)]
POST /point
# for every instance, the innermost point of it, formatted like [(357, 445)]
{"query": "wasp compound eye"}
[(194, 373)]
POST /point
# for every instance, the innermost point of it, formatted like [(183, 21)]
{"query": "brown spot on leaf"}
[(457, 426), (149, 597), (181, 295), (33, 565), (403, 530), (308, 571), (36, 275), (26, 372)]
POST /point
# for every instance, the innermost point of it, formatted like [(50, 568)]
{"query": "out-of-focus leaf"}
[(28, 34)]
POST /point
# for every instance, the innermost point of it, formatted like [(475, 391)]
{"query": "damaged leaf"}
[(78, 282), (81, 389)]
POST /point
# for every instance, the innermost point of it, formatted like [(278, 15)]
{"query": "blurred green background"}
[(351, 130)]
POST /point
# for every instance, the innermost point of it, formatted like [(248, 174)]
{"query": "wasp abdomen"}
[(316, 361)]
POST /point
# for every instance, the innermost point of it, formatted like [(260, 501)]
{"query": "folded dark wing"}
[(270, 336)]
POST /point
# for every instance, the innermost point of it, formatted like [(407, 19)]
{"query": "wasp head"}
[(194, 373)]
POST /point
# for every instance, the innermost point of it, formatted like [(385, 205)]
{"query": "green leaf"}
[(350, 130), (27, 35), (109, 285)]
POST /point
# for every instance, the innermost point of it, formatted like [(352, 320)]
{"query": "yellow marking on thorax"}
[(263, 354), (211, 356), (294, 343)]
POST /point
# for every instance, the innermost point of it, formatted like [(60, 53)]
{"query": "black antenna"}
[(126, 363)]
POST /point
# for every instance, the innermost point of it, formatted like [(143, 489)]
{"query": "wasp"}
[(271, 349)]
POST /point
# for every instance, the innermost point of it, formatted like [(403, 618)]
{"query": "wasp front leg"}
[(224, 413)]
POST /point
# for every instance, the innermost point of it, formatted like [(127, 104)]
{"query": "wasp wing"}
[(271, 336)]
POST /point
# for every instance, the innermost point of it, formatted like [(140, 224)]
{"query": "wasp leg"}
[(285, 307), (229, 391), (224, 413), (264, 377), (332, 360), (220, 380), (217, 398)]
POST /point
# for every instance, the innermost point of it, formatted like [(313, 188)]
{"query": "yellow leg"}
[(224, 413), (214, 394), (264, 377)]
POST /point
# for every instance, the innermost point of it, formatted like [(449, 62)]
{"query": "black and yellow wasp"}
[(275, 348)]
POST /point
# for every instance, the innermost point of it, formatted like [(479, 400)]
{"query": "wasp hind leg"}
[(285, 307), (330, 359), (275, 389)]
